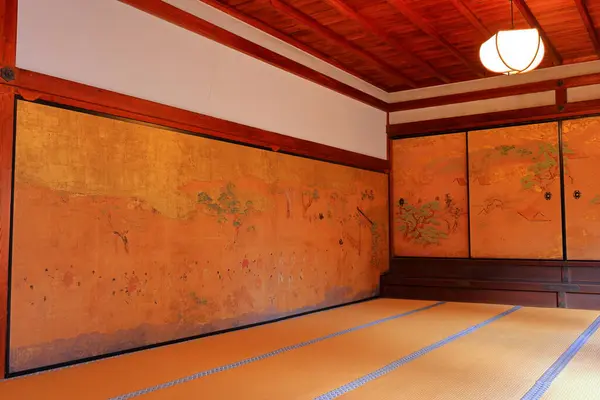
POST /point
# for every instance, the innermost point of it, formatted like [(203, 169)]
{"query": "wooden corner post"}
[(8, 46)]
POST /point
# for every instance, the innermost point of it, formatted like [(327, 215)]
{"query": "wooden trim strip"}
[(8, 32), (560, 96), (498, 285), (492, 263), (199, 26), (32, 85), (526, 88), (488, 120), (6, 162)]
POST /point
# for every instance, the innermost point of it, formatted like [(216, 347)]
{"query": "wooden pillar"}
[(8, 40), (6, 163), (390, 143)]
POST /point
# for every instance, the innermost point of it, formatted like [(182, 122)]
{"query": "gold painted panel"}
[(514, 181), (430, 196), (581, 155), (127, 235)]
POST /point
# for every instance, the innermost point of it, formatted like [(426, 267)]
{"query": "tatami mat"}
[(438, 351), (119, 375), (306, 373), (580, 380), (500, 361)]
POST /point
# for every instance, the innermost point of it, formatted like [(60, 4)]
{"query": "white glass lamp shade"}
[(512, 52)]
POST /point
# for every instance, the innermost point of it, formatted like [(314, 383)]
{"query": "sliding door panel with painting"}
[(430, 196), (515, 202), (581, 157)]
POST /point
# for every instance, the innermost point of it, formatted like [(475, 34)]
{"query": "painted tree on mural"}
[(226, 205), (544, 169), (428, 223), (308, 198)]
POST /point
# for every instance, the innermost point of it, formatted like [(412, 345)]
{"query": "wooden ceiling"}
[(403, 44)]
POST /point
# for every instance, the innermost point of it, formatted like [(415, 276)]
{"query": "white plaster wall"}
[(474, 107), (107, 44), (582, 93), (240, 28)]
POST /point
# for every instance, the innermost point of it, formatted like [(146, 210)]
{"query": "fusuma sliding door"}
[(514, 185), (581, 155), (430, 196)]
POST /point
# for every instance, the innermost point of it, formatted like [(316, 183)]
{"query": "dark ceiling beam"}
[(386, 37), (423, 25), (473, 19), (589, 24), (533, 22), (330, 35)]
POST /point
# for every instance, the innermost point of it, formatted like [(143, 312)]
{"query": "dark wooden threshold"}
[(546, 283)]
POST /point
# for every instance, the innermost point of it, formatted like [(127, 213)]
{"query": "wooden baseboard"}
[(541, 283)]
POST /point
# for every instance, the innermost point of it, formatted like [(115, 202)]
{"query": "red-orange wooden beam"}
[(8, 31), (524, 88), (330, 35), (172, 14), (560, 98), (430, 30), (6, 158), (8, 47), (466, 11), (589, 24), (237, 14), (386, 37), (533, 22)]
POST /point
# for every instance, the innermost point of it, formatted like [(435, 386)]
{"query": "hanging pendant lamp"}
[(514, 51)]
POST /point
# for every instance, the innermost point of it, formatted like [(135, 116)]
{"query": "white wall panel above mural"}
[(113, 46)]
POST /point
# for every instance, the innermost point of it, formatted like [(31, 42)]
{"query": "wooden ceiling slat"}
[(255, 22), (589, 24), (473, 19), (533, 22), (309, 22), (417, 20), (443, 38), (383, 35)]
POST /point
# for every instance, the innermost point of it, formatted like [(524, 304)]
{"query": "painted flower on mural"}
[(428, 223)]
